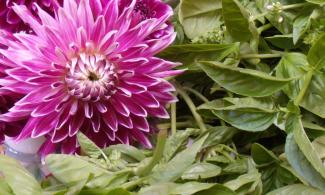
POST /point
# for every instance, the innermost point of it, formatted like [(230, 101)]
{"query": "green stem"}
[(293, 6), (132, 184), (157, 155), (192, 107), (258, 16), (260, 56), (304, 88), (264, 27), (198, 94), (178, 125), (173, 118)]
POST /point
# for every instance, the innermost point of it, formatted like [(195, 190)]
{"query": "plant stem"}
[(293, 6), (157, 155), (130, 185), (173, 117), (260, 56), (264, 27), (192, 107), (304, 88), (178, 125), (198, 94)]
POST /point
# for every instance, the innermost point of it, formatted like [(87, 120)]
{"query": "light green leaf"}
[(199, 17), (315, 55), (174, 142), (18, 178), (295, 125), (219, 135), (243, 180), (191, 187), (294, 65), (189, 54), (243, 81), (158, 189), (67, 168), (301, 165), (217, 189), (174, 169), (127, 150), (201, 171), (5, 188), (296, 189), (89, 147), (300, 26)]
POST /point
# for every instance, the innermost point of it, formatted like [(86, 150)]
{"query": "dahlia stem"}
[(192, 107), (198, 94), (173, 118), (157, 155), (304, 88)]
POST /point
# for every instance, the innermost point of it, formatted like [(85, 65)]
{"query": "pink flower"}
[(91, 69), (12, 22)]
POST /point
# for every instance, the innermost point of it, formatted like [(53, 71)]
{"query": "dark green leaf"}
[(316, 56), (189, 54), (243, 81), (261, 155)]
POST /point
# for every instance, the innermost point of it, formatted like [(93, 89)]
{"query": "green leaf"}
[(157, 189), (89, 147), (217, 189), (147, 165), (261, 155), (236, 20), (100, 191), (5, 188), (201, 171), (174, 169), (17, 177), (189, 54), (296, 189), (191, 188), (247, 114), (243, 180), (174, 142), (301, 165), (199, 17), (67, 168), (130, 151), (316, 56), (219, 135), (300, 26), (302, 140), (243, 81), (281, 41), (295, 65)]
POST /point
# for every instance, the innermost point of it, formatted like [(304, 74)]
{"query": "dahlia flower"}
[(89, 68), (12, 21)]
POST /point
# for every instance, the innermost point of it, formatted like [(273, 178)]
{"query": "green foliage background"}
[(250, 119)]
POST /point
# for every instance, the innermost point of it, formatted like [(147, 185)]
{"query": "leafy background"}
[(250, 119)]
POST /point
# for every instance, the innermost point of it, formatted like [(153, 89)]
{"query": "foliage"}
[(250, 119)]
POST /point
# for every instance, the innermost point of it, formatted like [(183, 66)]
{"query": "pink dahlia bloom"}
[(12, 22), (91, 68)]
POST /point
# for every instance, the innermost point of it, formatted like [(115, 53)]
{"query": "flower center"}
[(91, 77)]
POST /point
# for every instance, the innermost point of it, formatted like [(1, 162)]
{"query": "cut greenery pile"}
[(250, 119)]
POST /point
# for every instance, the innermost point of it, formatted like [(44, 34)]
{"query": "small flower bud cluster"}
[(276, 9), (214, 36), (313, 35)]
